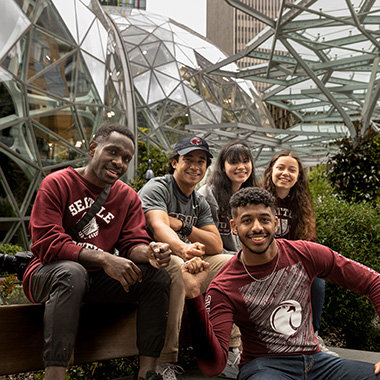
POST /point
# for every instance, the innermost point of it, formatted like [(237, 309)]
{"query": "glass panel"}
[(97, 70), (40, 102), (137, 69), (150, 51), (137, 57), (111, 96), (217, 112), (157, 111), (191, 96), (50, 20), (59, 79), (113, 116), (202, 108), (85, 19), (178, 122), (171, 109), (167, 83), (173, 137), (142, 85), (8, 102), (13, 25), (196, 118), (183, 58), (86, 92), (137, 40), (170, 69), (44, 52), (163, 56), (66, 10), (95, 42), (89, 117), (19, 139), (53, 151), (15, 60), (7, 209), (155, 91), (18, 175), (213, 89), (163, 34), (179, 95), (145, 121)]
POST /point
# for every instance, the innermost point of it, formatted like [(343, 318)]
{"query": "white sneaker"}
[(169, 371), (323, 347), (231, 370)]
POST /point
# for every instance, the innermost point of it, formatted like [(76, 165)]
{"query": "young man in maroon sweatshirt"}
[(265, 290), (66, 271)]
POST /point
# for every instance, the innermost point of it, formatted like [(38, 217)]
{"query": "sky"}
[(190, 13)]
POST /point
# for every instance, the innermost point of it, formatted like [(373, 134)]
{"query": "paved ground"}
[(194, 373)]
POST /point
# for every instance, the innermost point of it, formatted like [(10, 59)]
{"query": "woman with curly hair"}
[(285, 178), (233, 170)]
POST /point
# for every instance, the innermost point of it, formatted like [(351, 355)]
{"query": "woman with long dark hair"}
[(232, 171), (285, 178)]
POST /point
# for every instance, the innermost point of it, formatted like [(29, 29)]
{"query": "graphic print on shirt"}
[(224, 225), (280, 310), (91, 229), (284, 217)]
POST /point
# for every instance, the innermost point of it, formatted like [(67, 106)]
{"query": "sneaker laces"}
[(170, 371)]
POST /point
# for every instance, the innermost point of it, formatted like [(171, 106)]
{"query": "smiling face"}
[(238, 171), (110, 158), (189, 170), (285, 174), (256, 225)]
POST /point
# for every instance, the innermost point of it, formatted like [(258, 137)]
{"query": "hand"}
[(377, 368), (159, 254), (194, 273), (193, 250), (123, 270)]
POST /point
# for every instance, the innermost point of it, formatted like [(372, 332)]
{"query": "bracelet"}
[(186, 229)]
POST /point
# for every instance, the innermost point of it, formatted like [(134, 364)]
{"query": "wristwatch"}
[(186, 228)]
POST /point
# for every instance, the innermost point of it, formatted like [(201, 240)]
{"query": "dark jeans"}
[(317, 295), (319, 366), (64, 285)]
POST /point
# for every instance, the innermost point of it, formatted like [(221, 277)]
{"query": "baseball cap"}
[(188, 144)]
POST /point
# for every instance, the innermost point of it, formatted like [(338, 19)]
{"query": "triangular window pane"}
[(179, 96), (155, 91), (192, 97), (137, 57), (149, 51), (170, 69), (85, 19), (58, 79), (168, 84), (97, 71), (95, 42), (15, 60), (141, 83), (196, 118)]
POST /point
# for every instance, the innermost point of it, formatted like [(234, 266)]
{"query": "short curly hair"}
[(105, 130), (249, 196)]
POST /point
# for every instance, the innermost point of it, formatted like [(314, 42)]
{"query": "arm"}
[(125, 270), (211, 351), (207, 235), (158, 222)]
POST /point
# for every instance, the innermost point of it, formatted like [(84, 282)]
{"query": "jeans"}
[(319, 366), (64, 285), (317, 298)]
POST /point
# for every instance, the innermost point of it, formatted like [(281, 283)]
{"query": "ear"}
[(174, 163), (234, 227), (276, 223), (91, 148)]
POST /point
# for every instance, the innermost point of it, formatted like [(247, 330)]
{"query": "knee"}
[(72, 276)]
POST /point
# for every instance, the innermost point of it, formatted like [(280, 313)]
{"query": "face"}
[(255, 225), (238, 171), (190, 169), (285, 173), (110, 158)]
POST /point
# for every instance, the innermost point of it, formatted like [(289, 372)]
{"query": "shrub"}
[(352, 229)]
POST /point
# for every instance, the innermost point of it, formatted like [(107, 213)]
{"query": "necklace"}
[(269, 276)]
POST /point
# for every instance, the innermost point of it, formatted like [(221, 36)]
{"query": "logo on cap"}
[(196, 141)]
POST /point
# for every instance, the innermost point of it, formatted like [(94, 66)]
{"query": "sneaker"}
[(323, 347), (231, 370), (151, 375), (169, 371)]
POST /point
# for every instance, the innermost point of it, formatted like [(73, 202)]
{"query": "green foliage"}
[(160, 160), (10, 249), (355, 170), (353, 230)]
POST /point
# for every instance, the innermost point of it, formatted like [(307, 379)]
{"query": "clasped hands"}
[(194, 273)]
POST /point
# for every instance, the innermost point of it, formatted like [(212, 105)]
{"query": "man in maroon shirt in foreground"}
[(66, 271), (265, 290)]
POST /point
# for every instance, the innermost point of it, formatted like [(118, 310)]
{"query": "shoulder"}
[(159, 183), (207, 192)]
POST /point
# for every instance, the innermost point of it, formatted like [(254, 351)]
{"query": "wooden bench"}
[(105, 332)]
